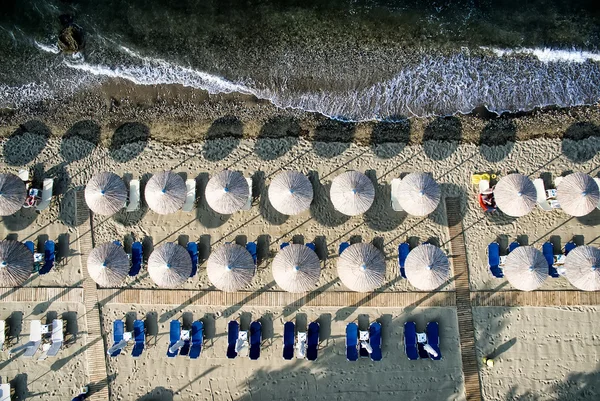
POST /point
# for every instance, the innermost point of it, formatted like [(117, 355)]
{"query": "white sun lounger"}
[(2, 333), (5, 392), (242, 345), (35, 338), (46, 194), (395, 184), (191, 195), (248, 204), (134, 196), (24, 175), (301, 345), (542, 199), (57, 337)]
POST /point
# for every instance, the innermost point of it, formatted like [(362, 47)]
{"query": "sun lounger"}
[(137, 254), (410, 341), (255, 339), (30, 245), (288, 340), (312, 348), (134, 196), (174, 338), (57, 337), (312, 246), (569, 246), (191, 195), (197, 339), (494, 260), (352, 341), (35, 338), (403, 251), (395, 186), (248, 204), (139, 336), (548, 251), (118, 340), (364, 348), (46, 194), (542, 199), (301, 345), (433, 340), (49, 256), (233, 329), (343, 247), (283, 245), (38, 258), (375, 341), (2, 333), (192, 248), (5, 392), (513, 245), (252, 248), (185, 342)]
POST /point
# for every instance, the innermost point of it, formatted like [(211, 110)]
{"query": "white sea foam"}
[(47, 48), (549, 55)]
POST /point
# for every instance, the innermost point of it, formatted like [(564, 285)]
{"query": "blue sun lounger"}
[(137, 255), (312, 246), (118, 243), (548, 251), (569, 246), (513, 245), (312, 342), (251, 247), (255, 339), (283, 245), (352, 342), (118, 330), (433, 339), (403, 251), (375, 340), (174, 336), (197, 339), (289, 334), (192, 248), (233, 332), (343, 247), (494, 260), (49, 256), (410, 341), (139, 336), (30, 245)]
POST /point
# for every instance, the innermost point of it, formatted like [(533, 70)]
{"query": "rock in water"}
[(70, 39)]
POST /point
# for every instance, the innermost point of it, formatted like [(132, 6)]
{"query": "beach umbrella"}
[(105, 193), (290, 192), (361, 267), (227, 192), (296, 268), (578, 194), (12, 194), (427, 267), (526, 268), (515, 195), (16, 263), (169, 265), (108, 264), (418, 194), (230, 267), (165, 192), (582, 268), (352, 193)]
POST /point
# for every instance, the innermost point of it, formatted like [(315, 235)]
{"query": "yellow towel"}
[(475, 178)]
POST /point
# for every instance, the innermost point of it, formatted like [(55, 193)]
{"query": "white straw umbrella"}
[(361, 267), (165, 192), (515, 195), (230, 267), (352, 193), (427, 267), (578, 194), (227, 192), (296, 268), (526, 268), (12, 194), (108, 264), (105, 193), (290, 192), (169, 265), (582, 268), (16, 263), (418, 194)]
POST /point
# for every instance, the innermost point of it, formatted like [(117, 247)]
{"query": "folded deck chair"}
[(35, 338), (513, 245), (569, 246), (139, 336), (375, 341), (312, 348), (351, 341), (255, 339), (494, 260), (548, 251), (49, 256), (197, 339), (433, 340), (343, 247), (403, 251), (137, 254), (46, 194), (283, 245), (288, 340), (233, 330), (192, 248), (364, 348), (5, 392), (190, 196), (57, 337), (134, 196), (542, 199), (118, 340), (248, 204), (312, 246), (395, 185), (174, 338), (410, 341)]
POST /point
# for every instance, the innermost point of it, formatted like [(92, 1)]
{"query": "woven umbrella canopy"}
[(361, 267), (227, 192), (515, 195), (419, 194), (230, 267), (427, 267), (582, 268), (12, 194), (16, 263), (169, 265), (526, 268), (296, 268), (165, 192), (290, 193), (105, 193), (108, 264), (578, 194), (352, 193)]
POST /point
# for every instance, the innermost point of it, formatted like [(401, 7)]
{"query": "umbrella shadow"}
[(204, 213), (581, 142), (333, 137), (128, 141), (442, 137), (276, 137), (222, 137), (390, 136), (321, 208), (80, 140), (381, 216), (26, 143), (497, 139), (267, 210)]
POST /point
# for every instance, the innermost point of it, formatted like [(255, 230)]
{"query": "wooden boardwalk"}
[(463, 301)]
